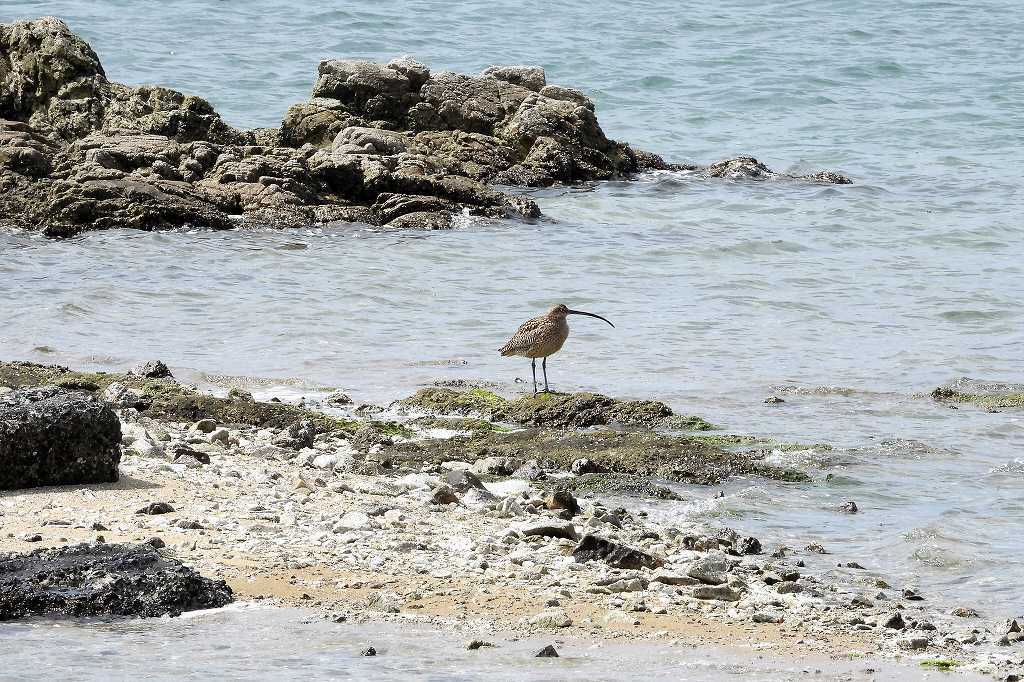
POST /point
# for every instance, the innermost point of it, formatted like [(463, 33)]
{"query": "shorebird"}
[(542, 336)]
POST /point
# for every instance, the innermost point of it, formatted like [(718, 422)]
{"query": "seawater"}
[(850, 302), (246, 643)]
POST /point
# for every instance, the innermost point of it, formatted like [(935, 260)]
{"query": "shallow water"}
[(265, 644), (722, 292)]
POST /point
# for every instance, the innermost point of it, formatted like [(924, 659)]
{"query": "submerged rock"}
[(618, 484), (986, 394), (638, 453), (103, 580), (54, 436), (389, 144)]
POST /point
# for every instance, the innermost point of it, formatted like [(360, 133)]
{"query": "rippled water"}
[(722, 292), (263, 644)]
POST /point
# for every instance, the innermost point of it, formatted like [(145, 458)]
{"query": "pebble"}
[(204, 426), (547, 652), (368, 651), (895, 621), (154, 508), (444, 494)]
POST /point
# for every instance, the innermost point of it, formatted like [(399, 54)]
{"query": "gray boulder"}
[(52, 436), (530, 77)]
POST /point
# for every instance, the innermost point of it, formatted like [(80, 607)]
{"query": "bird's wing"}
[(528, 334)]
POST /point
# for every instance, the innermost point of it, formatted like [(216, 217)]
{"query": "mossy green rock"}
[(166, 399), (555, 410), (616, 484), (986, 394), (646, 454)]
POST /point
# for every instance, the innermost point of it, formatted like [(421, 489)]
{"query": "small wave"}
[(973, 315), (1014, 468), (816, 390)]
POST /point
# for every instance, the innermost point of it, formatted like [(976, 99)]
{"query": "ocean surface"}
[(850, 302), (252, 643)]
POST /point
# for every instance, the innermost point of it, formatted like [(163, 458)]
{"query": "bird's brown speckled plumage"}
[(539, 337), (542, 336)]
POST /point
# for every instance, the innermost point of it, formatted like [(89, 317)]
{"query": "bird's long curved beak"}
[(580, 312)]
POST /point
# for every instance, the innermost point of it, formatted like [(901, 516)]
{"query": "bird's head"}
[(560, 311)]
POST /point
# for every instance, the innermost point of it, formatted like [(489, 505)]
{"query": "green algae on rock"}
[(985, 394), (555, 410), (647, 454), (626, 485), (167, 399)]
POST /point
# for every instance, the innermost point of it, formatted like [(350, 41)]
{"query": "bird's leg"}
[(533, 366), (544, 366)]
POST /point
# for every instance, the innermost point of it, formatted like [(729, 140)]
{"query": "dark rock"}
[(911, 595), (895, 621), (773, 400), (102, 580), (586, 466), (475, 644), (749, 168), (562, 499), (52, 436), (368, 651), (444, 494), (750, 545), (852, 564), (156, 543), (549, 530), (393, 144), (594, 548), (848, 507), (547, 652), (205, 425), (965, 612), (461, 481), (298, 435), (338, 398), (788, 588), (180, 451), (154, 508), (154, 369)]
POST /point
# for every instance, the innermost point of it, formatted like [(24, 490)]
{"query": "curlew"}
[(542, 336)]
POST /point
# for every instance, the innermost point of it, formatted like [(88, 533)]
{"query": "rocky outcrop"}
[(558, 410), (162, 397), (55, 436), (986, 394), (635, 453), (387, 144), (103, 580)]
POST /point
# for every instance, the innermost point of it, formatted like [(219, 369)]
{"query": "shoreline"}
[(350, 523)]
